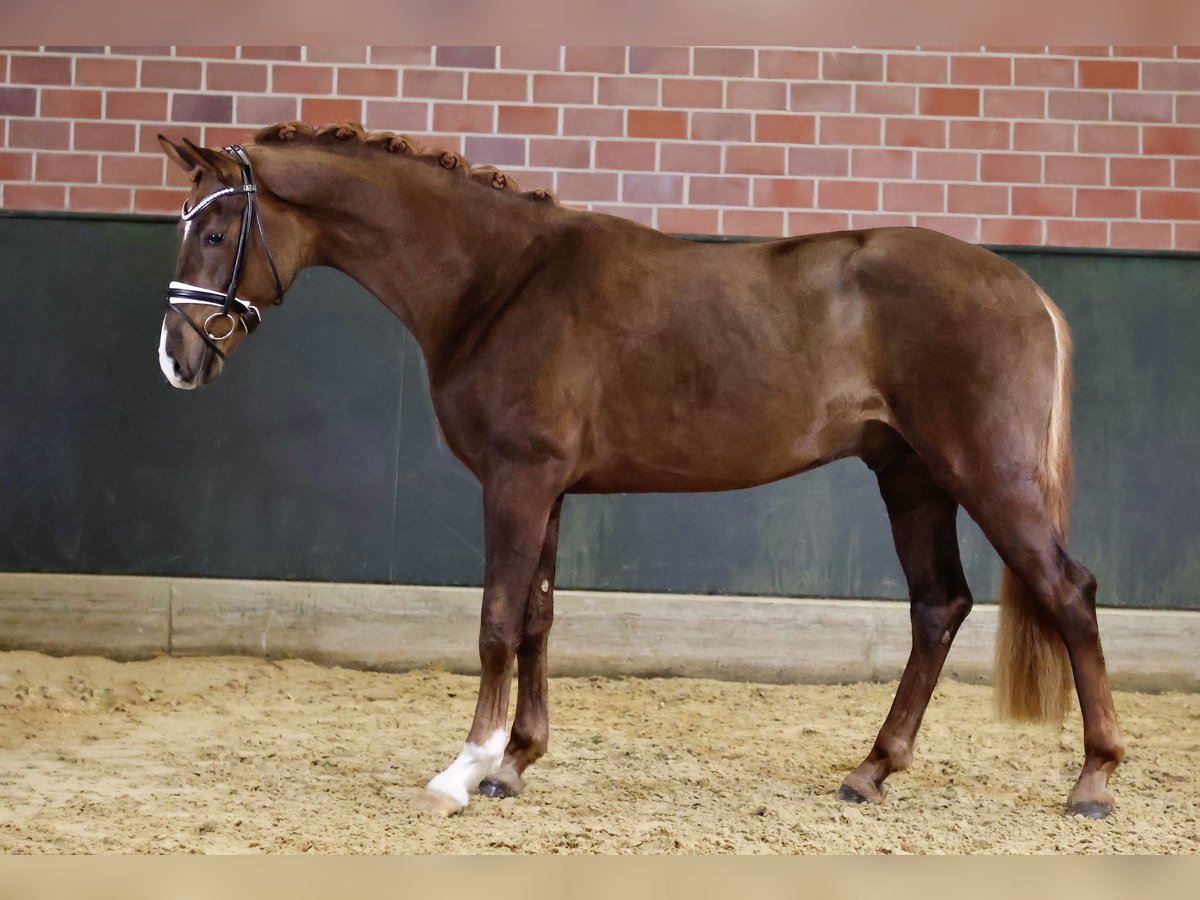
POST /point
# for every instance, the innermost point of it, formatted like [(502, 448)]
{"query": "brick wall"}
[(1071, 146)]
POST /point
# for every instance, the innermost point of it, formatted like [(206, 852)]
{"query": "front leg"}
[(517, 503)]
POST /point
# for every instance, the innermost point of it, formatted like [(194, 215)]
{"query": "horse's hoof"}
[(848, 794), (495, 789), (1090, 809), (438, 804)]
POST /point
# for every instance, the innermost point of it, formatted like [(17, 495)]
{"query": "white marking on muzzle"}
[(166, 362), (473, 764)]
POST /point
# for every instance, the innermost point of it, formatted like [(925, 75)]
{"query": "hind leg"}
[(923, 526), (1015, 519)]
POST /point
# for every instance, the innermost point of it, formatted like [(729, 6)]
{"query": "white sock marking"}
[(473, 764)]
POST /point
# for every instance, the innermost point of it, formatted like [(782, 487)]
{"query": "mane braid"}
[(354, 133)]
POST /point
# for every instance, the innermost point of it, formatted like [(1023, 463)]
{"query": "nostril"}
[(175, 363)]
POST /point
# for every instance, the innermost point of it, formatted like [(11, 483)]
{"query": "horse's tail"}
[(1033, 671)]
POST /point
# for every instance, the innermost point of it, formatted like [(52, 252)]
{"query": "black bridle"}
[(229, 302)]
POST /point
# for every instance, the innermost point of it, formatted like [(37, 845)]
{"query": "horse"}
[(575, 352)]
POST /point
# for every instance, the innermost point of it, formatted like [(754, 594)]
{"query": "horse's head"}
[(227, 273)]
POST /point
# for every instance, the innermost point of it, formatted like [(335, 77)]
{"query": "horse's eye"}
[(213, 238)]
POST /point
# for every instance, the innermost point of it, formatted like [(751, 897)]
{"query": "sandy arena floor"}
[(230, 755)]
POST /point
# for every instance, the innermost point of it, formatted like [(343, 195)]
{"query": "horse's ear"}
[(182, 157), (220, 164)]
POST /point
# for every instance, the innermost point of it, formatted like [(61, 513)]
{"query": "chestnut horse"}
[(570, 351)]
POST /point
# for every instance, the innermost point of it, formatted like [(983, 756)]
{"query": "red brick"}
[(569, 153), (171, 73), (1187, 237), (981, 135), (704, 93), (816, 222), (1187, 109), (320, 110), (40, 69), (1106, 204), (246, 77), (136, 105), (1042, 201), (1044, 72), (636, 155), (1171, 76), (728, 61), (660, 60), (1076, 233), (539, 58), (434, 84), (202, 108), (15, 166), (224, 135), (36, 196), (721, 126), (1014, 104), (595, 59), (142, 171), (915, 133), (885, 99), (784, 192), (364, 82), (106, 72), (1012, 232), (497, 86), (1138, 172), (1078, 105), (977, 198), (316, 54), (1139, 235), (260, 110), (854, 130), (810, 161), (83, 167), (641, 214), (757, 95), (99, 199), (987, 70), (1166, 204), (861, 220), (564, 88), (914, 197), (949, 101), (1150, 52), (947, 165), (526, 120), (496, 151), (917, 69), (821, 98), (1166, 141), (843, 65), (39, 134), (689, 220), (1141, 107), (719, 191), (1188, 51), (581, 186), (1055, 136), (478, 117), (206, 51), (406, 56), (626, 90), (1076, 170), (656, 123), (110, 136), (848, 195), (784, 129), (788, 64), (1010, 167), (645, 188), (594, 122), (755, 160), (68, 104), (759, 222), (264, 52), (1078, 50), (307, 80), (1109, 138), (881, 163), (690, 157), (466, 57), (1110, 74), (1187, 173), (965, 228)]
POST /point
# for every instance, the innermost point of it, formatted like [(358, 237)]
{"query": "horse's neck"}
[(422, 240)]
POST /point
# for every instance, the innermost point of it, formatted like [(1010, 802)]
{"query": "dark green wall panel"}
[(316, 455)]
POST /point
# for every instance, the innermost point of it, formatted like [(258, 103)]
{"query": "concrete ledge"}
[(403, 627)]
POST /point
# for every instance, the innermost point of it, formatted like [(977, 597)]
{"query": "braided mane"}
[(453, 162)]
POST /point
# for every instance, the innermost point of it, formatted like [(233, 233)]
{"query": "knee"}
[(497, 643)]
